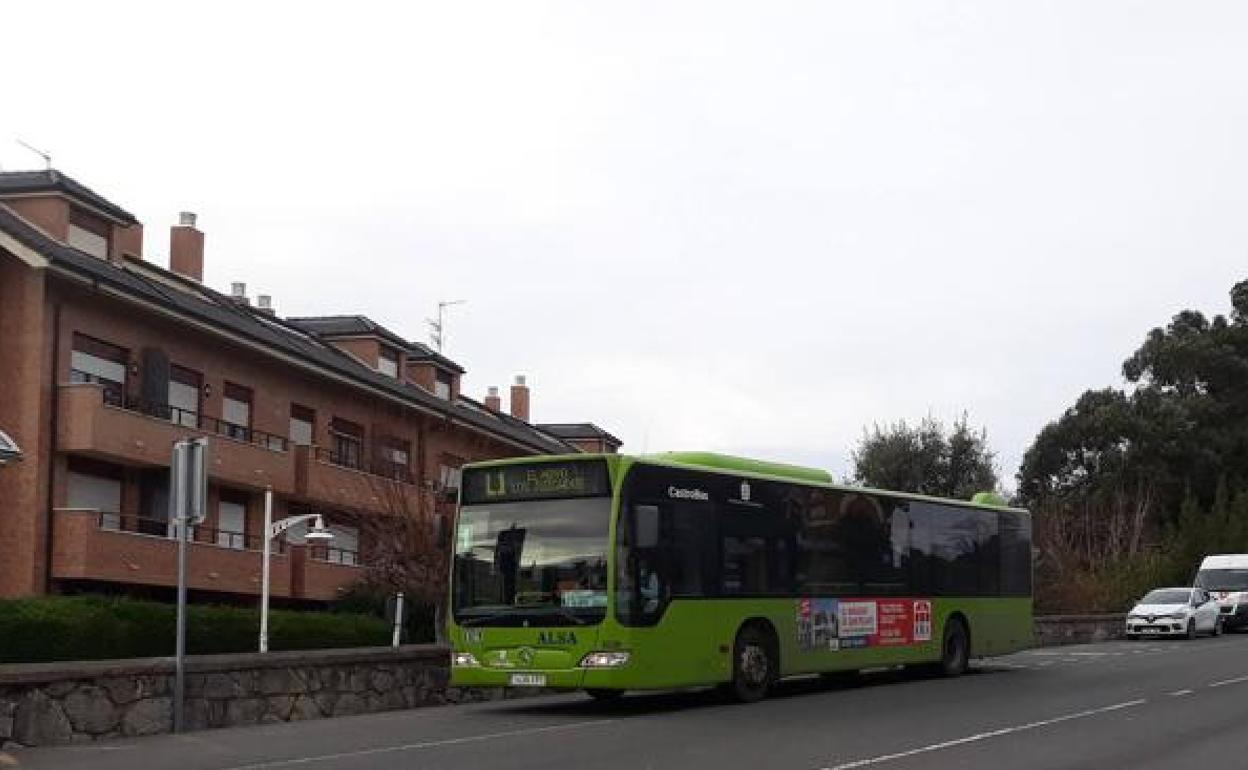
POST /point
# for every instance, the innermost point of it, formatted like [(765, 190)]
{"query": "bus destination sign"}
[(536, 481)]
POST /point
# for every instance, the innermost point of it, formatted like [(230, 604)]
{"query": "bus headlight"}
[(463, 659), (604, 660)]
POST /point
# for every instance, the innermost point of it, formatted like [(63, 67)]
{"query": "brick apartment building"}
[(106, 359)]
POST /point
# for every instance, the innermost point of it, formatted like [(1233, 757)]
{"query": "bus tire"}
[(603, 695), (955, 649), (754, 665)]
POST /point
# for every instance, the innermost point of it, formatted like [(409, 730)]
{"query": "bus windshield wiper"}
[(572, 616)]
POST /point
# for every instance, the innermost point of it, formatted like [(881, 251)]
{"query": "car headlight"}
[(463, 659), (604, 659)]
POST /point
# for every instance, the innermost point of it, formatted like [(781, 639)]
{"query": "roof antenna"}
[(47, 156), (437, 326)]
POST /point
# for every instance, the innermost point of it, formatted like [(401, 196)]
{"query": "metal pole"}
[(181, 463), (264, 570), (398, 620)]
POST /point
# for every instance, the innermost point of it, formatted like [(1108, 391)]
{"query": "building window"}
[(393, 458), (184, 389), (449, 473), (94, 488), (388, 363), (344, 548), (101, 363), (442, 385), (88, 233), (347, 443), (232, 520), (236, 411), (302, 425)]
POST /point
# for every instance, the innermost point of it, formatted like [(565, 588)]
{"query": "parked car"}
[(1174, 612), (1225, 576)]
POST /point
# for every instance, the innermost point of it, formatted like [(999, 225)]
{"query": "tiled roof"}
[(25, 182), (330, 326), (579, 430), (148, 283)]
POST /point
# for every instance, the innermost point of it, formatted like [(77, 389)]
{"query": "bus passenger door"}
[(666, 550)]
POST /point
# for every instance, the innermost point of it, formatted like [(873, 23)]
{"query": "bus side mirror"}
[(646, 526)]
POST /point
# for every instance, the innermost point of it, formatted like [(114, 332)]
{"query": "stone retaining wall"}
[(1055, 630), (51, 703)]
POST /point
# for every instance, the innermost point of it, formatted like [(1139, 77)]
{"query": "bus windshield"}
[(536, 561), (1223, 579)]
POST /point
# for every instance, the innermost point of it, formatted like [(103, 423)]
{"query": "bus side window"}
[(640, 588), (646, 526)]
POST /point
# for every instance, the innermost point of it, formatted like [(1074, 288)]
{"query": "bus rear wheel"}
[(956, 649), (603, 695), (753, 665)]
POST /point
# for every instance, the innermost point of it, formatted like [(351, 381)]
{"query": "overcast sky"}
[(751, 228)]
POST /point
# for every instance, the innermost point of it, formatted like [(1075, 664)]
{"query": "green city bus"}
[(608, 573)]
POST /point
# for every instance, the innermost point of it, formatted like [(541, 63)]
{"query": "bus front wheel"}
[(753, 665), (956, 649)]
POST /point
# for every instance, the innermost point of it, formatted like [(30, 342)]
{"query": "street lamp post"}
[(272, 529)]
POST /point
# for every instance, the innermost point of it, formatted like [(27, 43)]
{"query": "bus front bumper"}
[(564, 679)]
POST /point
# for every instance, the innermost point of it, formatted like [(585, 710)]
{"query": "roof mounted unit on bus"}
[(745, 465)]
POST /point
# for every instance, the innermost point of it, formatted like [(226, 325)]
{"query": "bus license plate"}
[(528, 680)]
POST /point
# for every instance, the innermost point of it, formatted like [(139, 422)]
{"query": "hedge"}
[(45, 629)]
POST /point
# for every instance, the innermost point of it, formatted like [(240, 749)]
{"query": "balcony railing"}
[(332, 555), (141, 525), (196, 420), (359, 461)]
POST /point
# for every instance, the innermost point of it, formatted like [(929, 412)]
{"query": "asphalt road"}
[(1149, 704)]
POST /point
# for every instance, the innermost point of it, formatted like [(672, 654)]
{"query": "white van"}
[(1225, 576)]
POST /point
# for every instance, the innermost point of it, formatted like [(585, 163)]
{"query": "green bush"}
[(98, 628), (367, 599)]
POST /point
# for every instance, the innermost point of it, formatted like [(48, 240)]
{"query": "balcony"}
[(135, 433), (118, 548), (351, 482)]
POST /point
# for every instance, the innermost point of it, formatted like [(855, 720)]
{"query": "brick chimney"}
[(493, 401), (520, 399), (186, 248)]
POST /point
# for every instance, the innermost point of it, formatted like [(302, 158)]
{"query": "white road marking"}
[(1177, 693), (986, 735), (422, 745), (1225, 682)]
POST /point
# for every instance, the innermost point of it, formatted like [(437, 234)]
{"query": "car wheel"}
[(753, 665), (956, 650), (1191, 628)]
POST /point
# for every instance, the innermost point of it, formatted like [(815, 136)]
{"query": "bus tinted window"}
[(725, 536), (1015, 554), (690, 552), (850, 544)]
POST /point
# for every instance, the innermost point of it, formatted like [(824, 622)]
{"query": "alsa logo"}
[(687, 494), (556, 638)]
